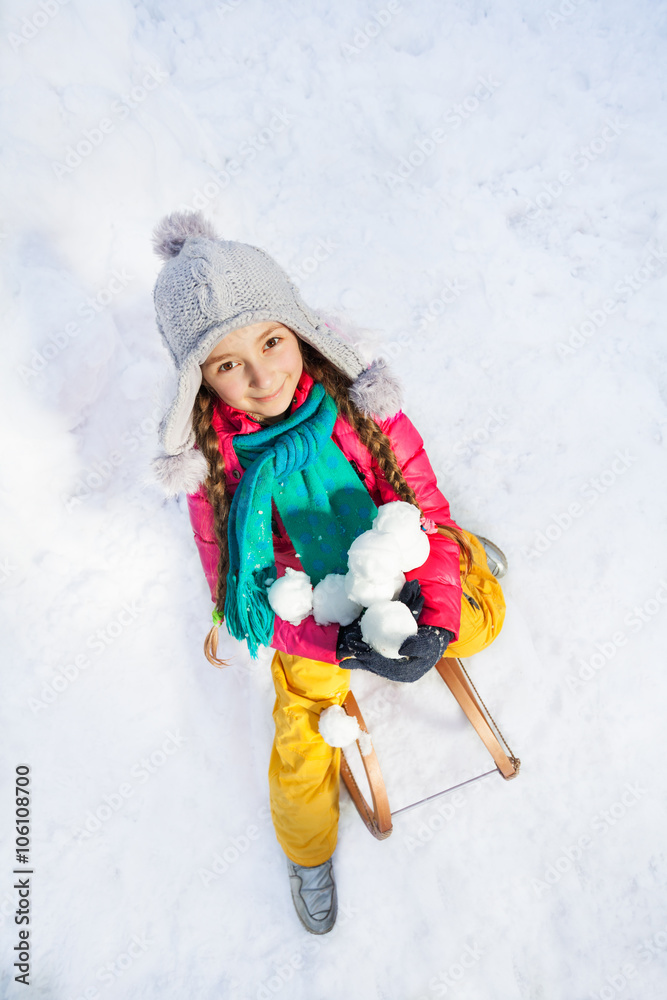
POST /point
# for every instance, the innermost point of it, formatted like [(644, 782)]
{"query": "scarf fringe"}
[(248, 616)]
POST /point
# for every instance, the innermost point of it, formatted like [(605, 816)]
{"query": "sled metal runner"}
[(378, 817)]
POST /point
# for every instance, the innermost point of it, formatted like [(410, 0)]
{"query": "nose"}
[(261, 377)]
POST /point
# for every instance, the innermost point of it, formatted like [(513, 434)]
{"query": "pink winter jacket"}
[(439, 576)]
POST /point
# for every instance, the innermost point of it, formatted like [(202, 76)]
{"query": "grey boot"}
[(495, 557), (314, 895)]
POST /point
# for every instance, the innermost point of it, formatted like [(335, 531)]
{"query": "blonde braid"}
[(220, 500), (337, 385)]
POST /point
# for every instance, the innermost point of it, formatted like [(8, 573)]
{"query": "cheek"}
[(296, 361), (229, 387)]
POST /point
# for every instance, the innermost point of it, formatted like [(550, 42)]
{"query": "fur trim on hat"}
[(171, 232), (182, 473), (377, 391)]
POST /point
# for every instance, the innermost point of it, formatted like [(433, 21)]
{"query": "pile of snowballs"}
[(377, 562)]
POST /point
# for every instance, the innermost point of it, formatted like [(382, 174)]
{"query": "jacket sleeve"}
[(440, 575), (201, 519), (315, 642)]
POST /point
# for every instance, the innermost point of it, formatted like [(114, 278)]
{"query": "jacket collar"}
[(228, 420)]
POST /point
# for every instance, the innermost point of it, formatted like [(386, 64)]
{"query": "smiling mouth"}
[(263, 399)]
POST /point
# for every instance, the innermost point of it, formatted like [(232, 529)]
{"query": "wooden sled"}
[(378, 818)]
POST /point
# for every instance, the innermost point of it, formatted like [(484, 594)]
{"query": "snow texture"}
[(291, 596), (512, 270), (337, 728), (386, 625), (331, 603)]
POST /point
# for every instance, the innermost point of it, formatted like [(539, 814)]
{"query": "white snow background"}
[(474, 186)]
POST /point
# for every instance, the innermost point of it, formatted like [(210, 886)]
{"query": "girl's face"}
[(256, 368)]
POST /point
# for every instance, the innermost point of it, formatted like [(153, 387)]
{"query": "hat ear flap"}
[(377, 391), (182, 473)]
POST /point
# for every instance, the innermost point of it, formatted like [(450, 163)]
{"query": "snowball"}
[(397, 515), (401, 521), (386, 625), (367, 592), (337, 728), (291, 596), (374, 561), (331, 603)]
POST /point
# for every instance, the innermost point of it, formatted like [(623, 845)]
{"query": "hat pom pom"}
[(171, 232), (182, 473)]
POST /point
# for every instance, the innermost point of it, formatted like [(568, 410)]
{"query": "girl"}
[(286, 444)]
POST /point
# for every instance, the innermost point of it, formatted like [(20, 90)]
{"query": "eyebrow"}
[(221, 357)]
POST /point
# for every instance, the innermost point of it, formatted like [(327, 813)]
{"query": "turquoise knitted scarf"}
[(320, 498)]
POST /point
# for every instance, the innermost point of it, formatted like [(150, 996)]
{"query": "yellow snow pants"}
[(304, 770)]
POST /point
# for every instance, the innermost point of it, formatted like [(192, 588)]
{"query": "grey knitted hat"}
[(209, 287)]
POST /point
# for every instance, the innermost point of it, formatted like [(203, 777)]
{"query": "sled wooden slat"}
[(377, 819), (451, 671)]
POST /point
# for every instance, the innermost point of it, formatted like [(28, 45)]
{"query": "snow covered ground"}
[(480, 188)]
